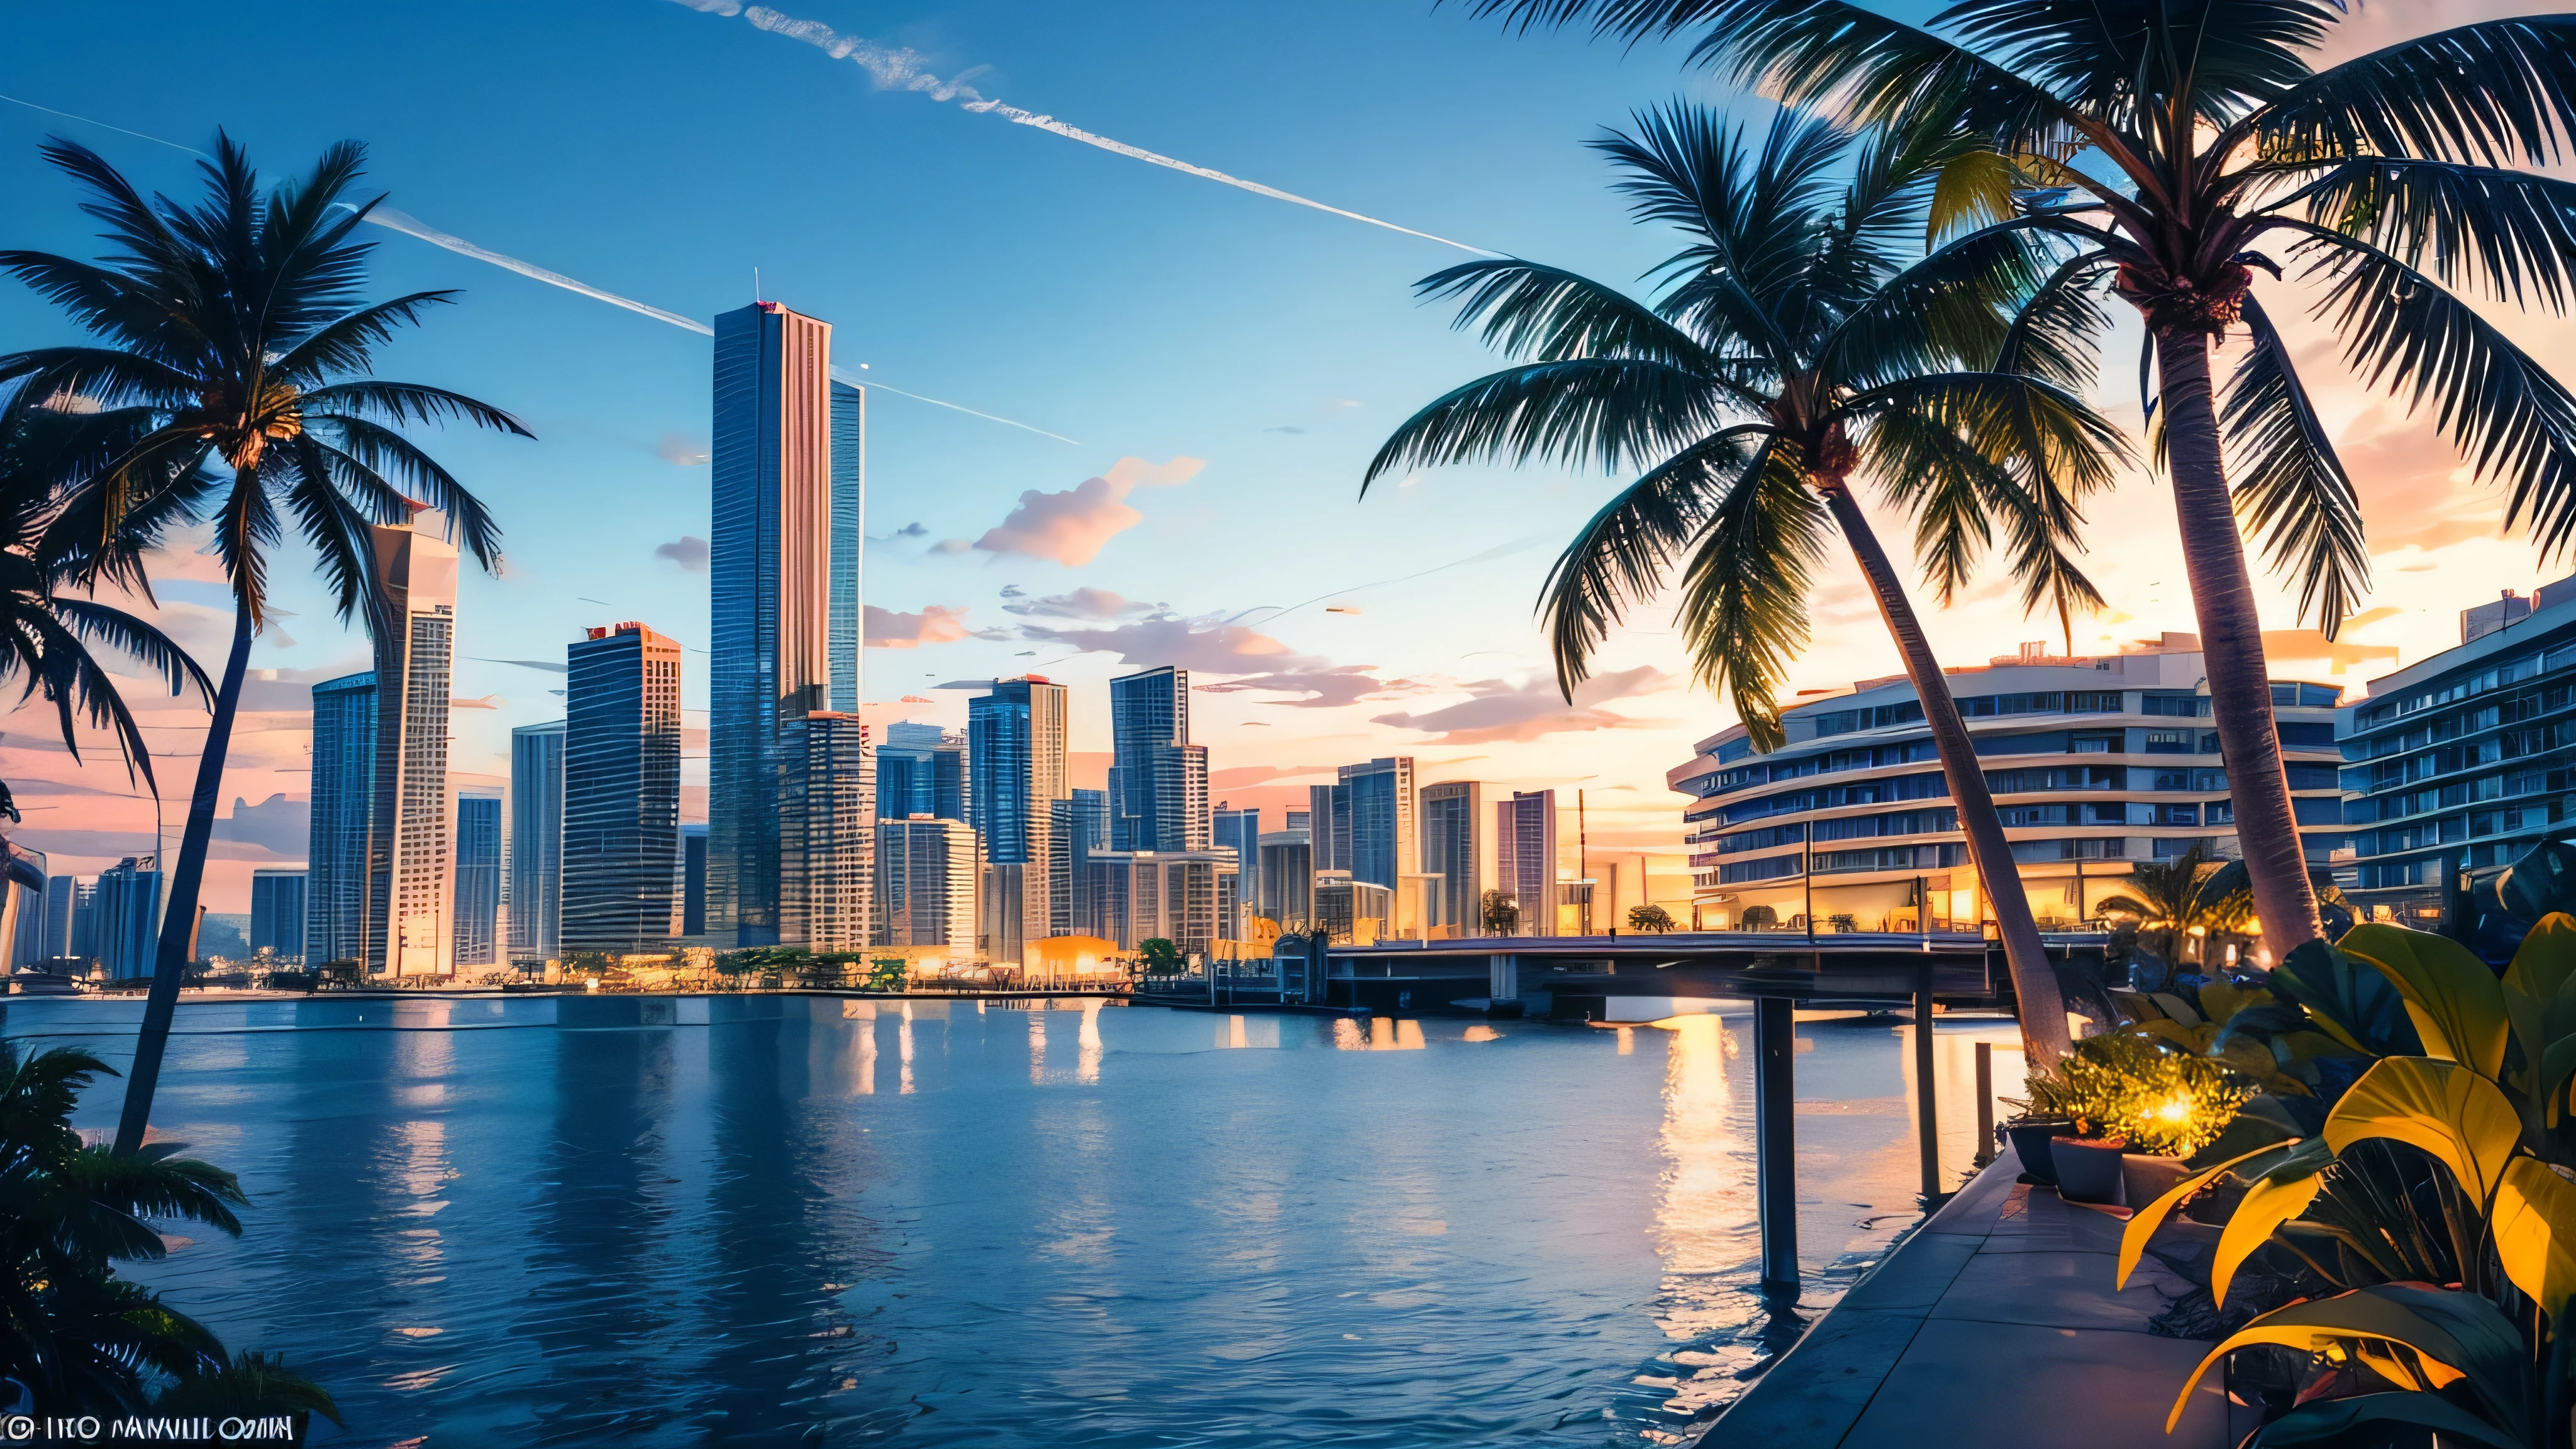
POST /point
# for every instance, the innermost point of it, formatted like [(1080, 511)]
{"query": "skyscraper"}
[(1157, 778), (621, 784), (127, 917), (1240, 830), (770, 559), (1382, 845), (1525, 858), (1457, 855), (536, 839), (849, 541), (482, 816), (921, 770), (925, 884), (336, 896), (1328, 825), (828, 830), (693, 879), (1015, 748), (277, 912), (409, 918), (63, 895), (1287, 870)]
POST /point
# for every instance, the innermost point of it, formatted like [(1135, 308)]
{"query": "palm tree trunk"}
[(2042, 1005), (170, 962), (2231, 648)]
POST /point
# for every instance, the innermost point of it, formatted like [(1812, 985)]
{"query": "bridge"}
[(1646, 978)]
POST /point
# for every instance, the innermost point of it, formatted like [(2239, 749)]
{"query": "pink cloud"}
[(935, 624), (1503, 712), (1071, 526)]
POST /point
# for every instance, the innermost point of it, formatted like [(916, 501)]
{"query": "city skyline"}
[(1156, 540)]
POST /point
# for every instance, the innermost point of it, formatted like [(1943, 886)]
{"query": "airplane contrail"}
[(900, 69), (412, 226)]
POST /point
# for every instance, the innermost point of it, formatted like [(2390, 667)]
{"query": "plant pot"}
[(2088, 1169), (2030, 1144), (2146, 1176)]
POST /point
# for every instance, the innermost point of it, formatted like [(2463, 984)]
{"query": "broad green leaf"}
[(2442, 1107), (2177, 1008), (2220, 1000), (2144, 1222), (2535, 1232), (2456, 1003), (2268, 1204), (2330, 1422), (2354, 1003), (2193, 1039), (2455, 1333)]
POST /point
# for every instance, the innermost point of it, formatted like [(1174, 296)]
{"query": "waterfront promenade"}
[(1993, 1323)]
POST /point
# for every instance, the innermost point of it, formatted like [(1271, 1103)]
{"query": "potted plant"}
[(2126, 1110)]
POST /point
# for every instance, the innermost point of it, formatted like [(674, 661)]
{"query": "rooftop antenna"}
[(755, 284)]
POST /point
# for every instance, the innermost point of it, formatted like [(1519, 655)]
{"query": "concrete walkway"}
[(1994, 1323)]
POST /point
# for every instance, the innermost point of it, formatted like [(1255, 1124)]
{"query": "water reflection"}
[(747, 1233)]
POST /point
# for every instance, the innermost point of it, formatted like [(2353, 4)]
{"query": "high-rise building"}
[(770, 559), (621, 813), (63, 895), (1328, 818), (849, 542), (25, 937), (84, 933), (1525, 859), (1157, 778), (1287, 866), (925, 884), (536, 840), (1383, 848), (482, 825), (277, 912), (336, 896), (410, 907), (693, 879), (1187, 897), (127, 917), (921, 770), (1015, 744), (1457, 856), (1240, 831), (828, 832), (1081, 829)]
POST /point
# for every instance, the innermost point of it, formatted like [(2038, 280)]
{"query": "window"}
[(2094, 744), (2313, 777), (2209, 779), (2178, 814), (1752, 870), (2168, 742), (2172, 780), (2093, 702), (2174, 704)]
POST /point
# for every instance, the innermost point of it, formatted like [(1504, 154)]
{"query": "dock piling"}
[(1775, 1152), (1985, 1102), (1927, 1115)]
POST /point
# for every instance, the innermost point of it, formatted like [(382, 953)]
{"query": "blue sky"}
[(663, 153)]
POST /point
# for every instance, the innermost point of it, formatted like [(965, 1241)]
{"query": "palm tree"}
[(47, 638), (2160, 144), (230, 382), (2173, 897), (74, 1335), (1788, 352)]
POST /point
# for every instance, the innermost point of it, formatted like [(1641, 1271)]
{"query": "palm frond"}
[(2290, 485), (1744, 596), (2499, 92), (1526, 309), (2056, 334), (404, 403), (2503, 411), (346, 344), (1604, 412), (1624, 554), (344, 549), (2113, 62), (137, 639), (2498, 229)]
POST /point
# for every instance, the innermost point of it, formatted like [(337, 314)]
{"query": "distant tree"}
[(887, 973), (1649, 918), (1162, 958), (343, 972), (1758, 916), (1502, 913)]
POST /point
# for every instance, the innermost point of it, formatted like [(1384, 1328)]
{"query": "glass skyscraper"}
[(849, 541), (536, 839), (344, 772), (409, 905), (1015, 746), (127, 918), (1525, 858), (1457, 855), (1382, 849), (1157, 778), (770, 564), (621, 791), (829, 826), (277, 912), (921, 770), (481, 807)]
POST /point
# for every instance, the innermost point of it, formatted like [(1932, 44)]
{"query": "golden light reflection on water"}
[(903, 1040), (1087, 1068), (1037, 1048), (1383, 1035), (1703, 1209)]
